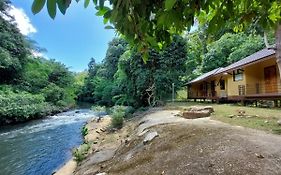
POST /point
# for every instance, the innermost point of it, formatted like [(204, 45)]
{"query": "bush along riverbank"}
[(95, 129), (17, 107)]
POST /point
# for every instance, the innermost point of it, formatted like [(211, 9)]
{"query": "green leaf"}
[(105, 20), (37, 6), (61, 6), (95, 2), (169, 4), (101, 3), (86, 3), (109, 27), (107, 14), (102, 11), (145, 57), (52, 8)]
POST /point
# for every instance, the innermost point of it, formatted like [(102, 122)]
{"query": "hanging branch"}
[(266, 42), (151, 95)]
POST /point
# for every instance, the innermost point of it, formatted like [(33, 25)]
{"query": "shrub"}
[(127, 111), (117, 119), (81, 152), (53, 94), (84, 131), (100, 110), (21, 106), (62, 104), (118, 109)]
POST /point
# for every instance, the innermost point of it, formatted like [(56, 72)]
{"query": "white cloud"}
[(37, 53), (22, 20)]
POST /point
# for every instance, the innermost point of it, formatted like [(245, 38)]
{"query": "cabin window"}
[(238, 75), (222, 84)]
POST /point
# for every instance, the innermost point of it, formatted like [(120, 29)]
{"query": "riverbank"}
[(49, 110), (161, 142), (95, 138)]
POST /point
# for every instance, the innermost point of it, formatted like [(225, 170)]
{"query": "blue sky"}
[(71, 39)]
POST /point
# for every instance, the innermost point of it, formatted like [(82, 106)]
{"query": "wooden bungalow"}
[(255, 77)]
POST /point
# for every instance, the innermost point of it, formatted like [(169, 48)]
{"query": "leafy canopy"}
[(153, 22)]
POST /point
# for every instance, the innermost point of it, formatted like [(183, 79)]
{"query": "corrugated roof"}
[(205, 76), (250, 59)]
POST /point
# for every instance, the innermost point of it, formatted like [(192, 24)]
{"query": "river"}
[(41, 146)]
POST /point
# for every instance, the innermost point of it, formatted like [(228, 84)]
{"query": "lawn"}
[(254, 117)]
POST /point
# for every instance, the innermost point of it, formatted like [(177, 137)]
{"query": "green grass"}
[(260, 118)]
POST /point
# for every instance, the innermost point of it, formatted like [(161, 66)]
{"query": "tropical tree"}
[(116, 48), (13, 47), (230, 48)]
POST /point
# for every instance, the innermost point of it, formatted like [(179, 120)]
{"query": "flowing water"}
[(40, 147)]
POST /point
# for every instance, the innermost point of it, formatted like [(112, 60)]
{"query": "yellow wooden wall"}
[(252, 74), (255, 74), (232, 86)]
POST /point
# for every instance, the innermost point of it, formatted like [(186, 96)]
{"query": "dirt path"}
[(199, 146)]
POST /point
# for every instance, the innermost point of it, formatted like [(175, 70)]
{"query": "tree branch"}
[(266, 42)]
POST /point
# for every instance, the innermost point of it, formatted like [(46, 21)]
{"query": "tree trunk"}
[(278, 47)]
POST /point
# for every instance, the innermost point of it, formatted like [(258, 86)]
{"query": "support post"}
[(173, 92)]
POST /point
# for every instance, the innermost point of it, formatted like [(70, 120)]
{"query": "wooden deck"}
[(265, 96)]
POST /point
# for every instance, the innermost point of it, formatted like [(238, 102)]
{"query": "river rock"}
[(279, 122), (127, 140), (259, 156), (195, 114), (149, 137), (143, 132), (210, 109), (231, 116), (99, 156), (101, 174)]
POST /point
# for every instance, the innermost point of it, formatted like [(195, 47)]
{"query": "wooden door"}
[(270, 79)]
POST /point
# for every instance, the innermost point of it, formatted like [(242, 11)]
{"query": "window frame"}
[(238, 75), (222, 85)]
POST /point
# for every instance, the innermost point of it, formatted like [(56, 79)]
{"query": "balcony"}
[(261, 89)]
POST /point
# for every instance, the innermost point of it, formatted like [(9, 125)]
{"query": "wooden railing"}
[(262, 88), (202, 94)]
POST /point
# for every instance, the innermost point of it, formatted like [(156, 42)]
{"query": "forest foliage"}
[(123, 78), (30, 86)]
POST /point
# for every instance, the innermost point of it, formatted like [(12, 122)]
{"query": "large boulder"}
[(210, 109), (149, 137), (194, 112)]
